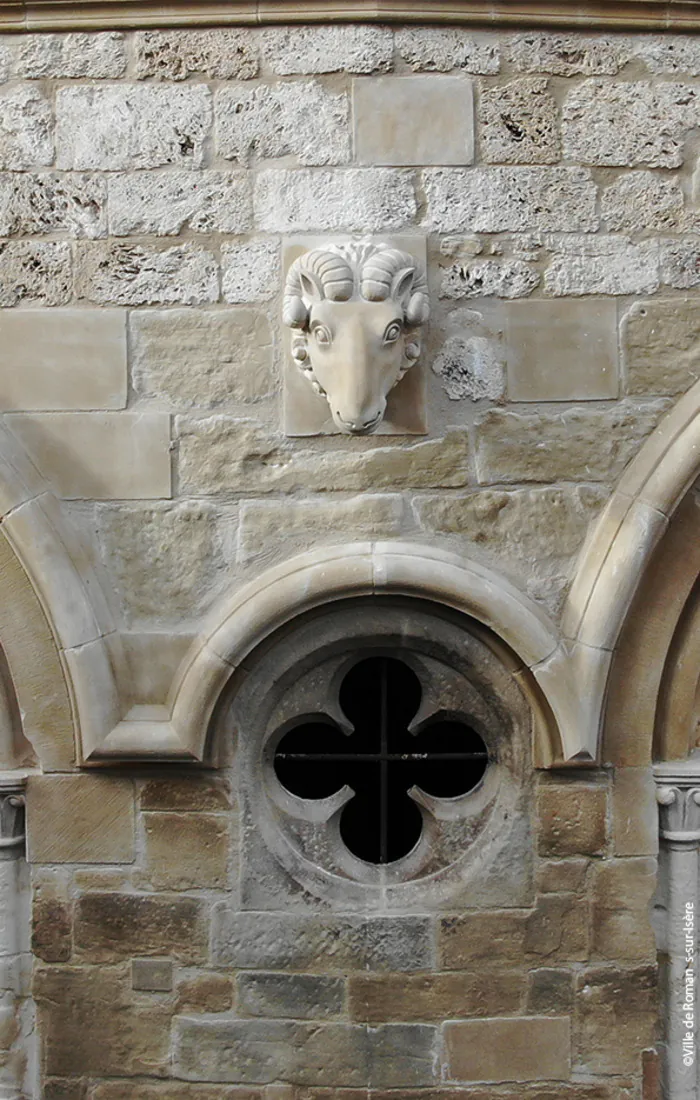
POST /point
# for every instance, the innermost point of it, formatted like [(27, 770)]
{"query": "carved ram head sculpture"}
[(354, 309)]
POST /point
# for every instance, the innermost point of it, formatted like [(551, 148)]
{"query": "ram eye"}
[(322, 335), (393, 332)]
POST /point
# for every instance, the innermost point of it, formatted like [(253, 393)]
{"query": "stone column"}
[(678, 795), (16, 1024)]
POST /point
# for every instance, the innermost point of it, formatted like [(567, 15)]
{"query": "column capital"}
[(12, 803), (678, 796)]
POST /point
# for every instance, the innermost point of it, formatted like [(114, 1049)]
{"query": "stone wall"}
[(147, 184)]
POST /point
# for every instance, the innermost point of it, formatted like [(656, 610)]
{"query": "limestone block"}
[(414, 120), (572, 819), (187, 792), (567, 54), (48, 202), (51, 929), (491, 200), (635, 813), (295, 118), (206, 992), (192, 357), (26, 128), (111, 926), (224, 54), (628, 122), (562, 351), (166, 560), (601, 265), (440, 49), (562, 876), (472, 366), (99, 456), (622, 893), (558, 929), (660, 343), (95, 56), (519, 123), (678, 53), (617, 1017), (35, 271), (133, 275), (433, 997), (80, 819), (121, 126), (104, 1033), (218, 454), (550, 992), (261, 1051), (517, 1049), (185, 851), (213, 202), (8, 43), (680, 263), (364, 200), (152, 975), (332, 49), (485, 278), (473, 941), (276, 941), (63, 359), (250, 272), (639, 202), (299, 996), (573, 444), (264, 523), (177, 1090)]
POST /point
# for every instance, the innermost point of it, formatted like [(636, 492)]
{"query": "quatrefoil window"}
[(384, 754)]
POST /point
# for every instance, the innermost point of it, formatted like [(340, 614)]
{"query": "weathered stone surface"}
[(572, 819), (51, 928), (562, 351), (485, 278), (602, 265), (166, 560), (99, 456), (152, 975), (617, 1013), (123, 126), (95, 56), (490, 200), (414, 120), (110, 927), (567, 54), (661, 346), (576, 444), (186, 792), (677, 53), (64, 1088), (639, 202), (134, 275), (299, 996), (473, 941), (226, 54), (185, 851), (196, 358), (656, 117), (635, 813), (260, 941), (35, 271), (622, 893), (206, 992), (433, 997), (80, 819), (213, 202), (63, 359), (562, 876), (550, 992), (103, 1033), (519, 123), (318, 49), (557, 930), (362, 199), (363, 517), (250, 272), (472, 365), (257, 1051), (174, 1090), (294, 118), (518, 1049), (680, 263), (469, 1091), (26, 128), (438, 49), (49, 202), (218, 453)]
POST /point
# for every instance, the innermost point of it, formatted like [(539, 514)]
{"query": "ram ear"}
[(311, 286), (401, 285)]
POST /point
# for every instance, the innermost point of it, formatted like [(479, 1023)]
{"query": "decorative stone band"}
[(658, 15)]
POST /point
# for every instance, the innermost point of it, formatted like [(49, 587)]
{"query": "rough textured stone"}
[(474, 941), (572, 820), (433, 997), (299, 996), (213, 202), (250, 272), (333, 49), (576, 444), (35, 271), (95, 56), (602, 265), (557, 876), (414, 120), (519, 123), (635, 814), (225, 54), (616, 1018), (166, 559), (550, 992), (671, 54), (26, 128), (131, 126), (567, 54), (99, 829), (185, 851), (656, 117), (174, 1090), (52, 203), (206, 992), (438, 49), (680, 263), (639, 202), (217, 453), (259, 941), (294, 118), (490, 200), (51, 929), (152, 975), (110, 927), (126, 274), (362, 199), (557, 930), (622, 893), (187, 792), (661, 346), (485, 278), (196, 358), (525, 1049), (363, 517), (471, 361)]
